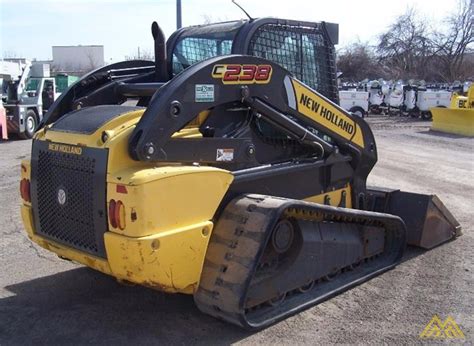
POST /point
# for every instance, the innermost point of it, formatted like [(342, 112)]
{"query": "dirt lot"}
[(47, 300)]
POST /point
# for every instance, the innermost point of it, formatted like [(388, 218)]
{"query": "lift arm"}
[(269, 91)]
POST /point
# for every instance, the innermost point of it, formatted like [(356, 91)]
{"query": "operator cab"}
[(39, 91), (304, 49)]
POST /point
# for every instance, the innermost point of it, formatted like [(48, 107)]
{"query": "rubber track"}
[(239, 240)]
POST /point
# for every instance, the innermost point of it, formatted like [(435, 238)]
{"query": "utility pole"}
[(178, 14)]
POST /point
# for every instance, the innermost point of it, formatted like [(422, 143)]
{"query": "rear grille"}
[(69, 191)]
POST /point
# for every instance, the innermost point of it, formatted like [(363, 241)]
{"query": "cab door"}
[(47, 94)]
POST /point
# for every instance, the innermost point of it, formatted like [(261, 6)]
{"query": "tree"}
[(141, 54), (9, 55), (453, 45), (406, 48), (357, 61)]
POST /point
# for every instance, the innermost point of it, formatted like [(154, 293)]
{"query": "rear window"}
[(203, 42), (194, 49)]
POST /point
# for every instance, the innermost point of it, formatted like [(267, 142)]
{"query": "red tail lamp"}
[(25, 190), (117, 214)]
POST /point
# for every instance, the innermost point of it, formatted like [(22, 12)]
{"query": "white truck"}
[(355, 101), (27, 93)]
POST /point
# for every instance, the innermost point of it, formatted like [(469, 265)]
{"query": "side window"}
[(32, 84), (280, 46), (310, 71), (316, 71), (302, 51)]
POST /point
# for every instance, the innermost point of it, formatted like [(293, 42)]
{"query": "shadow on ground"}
[(11, 138), (81, 306), (442, 134)]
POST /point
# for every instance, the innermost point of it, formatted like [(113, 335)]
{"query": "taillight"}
[(112, 219), (117, 214), (25, 190)]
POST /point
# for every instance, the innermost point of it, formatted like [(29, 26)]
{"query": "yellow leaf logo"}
[(437, 329)]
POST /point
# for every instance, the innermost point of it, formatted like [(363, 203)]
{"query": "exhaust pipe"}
[(161, 70)]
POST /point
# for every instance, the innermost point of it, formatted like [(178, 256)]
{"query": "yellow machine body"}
[(459, 118), (168, 212)]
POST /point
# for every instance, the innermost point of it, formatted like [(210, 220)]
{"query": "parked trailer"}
[(376, 97), (409, 100), (428, 99), (395, 99), (355, 101)]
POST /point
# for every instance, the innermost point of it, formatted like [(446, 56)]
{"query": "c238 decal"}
[(242, 73)]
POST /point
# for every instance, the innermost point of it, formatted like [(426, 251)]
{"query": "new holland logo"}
[(437, 329), (64, 148), (61, 197)]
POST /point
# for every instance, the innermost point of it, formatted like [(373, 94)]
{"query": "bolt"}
[(244, 92), (149, 149), (251, 150), (175, 109), (155, 244)]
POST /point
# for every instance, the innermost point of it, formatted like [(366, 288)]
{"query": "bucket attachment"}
[(459, 121), (428, 222)]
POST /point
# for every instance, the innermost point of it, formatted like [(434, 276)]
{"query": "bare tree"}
[(453, 45), (406, 48), (9, 54), (93, 62), (358, 61), (141, 54)]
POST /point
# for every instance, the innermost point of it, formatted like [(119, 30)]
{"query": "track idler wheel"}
[(282, 236)]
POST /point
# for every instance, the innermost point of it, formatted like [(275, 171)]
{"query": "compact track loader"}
[(225, 169)]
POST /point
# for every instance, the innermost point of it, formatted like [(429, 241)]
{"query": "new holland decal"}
[(326, 114), (343, 124), (64, 148), (242, 73)]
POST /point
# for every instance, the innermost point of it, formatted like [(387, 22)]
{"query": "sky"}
[(29, 28)]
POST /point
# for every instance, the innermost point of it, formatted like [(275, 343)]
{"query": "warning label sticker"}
[(225, 155), (204, 93)]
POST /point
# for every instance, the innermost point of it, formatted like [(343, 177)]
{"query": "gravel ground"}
[(45, 300)]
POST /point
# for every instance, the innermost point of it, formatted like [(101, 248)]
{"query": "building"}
[(77, 58)]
